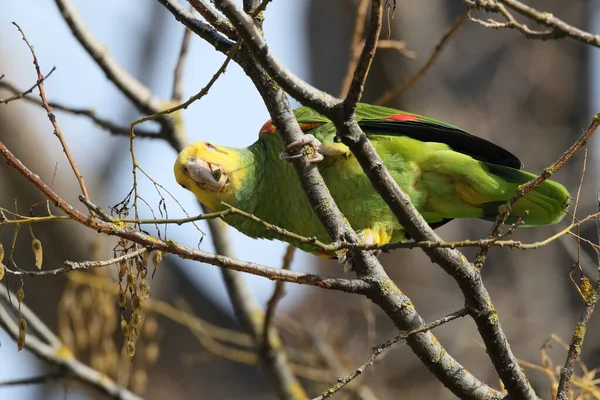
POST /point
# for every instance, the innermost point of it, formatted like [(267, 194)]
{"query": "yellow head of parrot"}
[(211, 172)]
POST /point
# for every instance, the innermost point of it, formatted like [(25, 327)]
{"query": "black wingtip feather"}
[(458, 140)]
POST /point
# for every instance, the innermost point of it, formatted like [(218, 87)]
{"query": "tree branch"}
[(558, 28), (52, 117), (56, 353)]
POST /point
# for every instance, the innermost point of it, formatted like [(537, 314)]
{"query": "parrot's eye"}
[(209, 146), (216, 174)]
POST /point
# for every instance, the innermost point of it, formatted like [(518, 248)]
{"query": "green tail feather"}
[(547, 204)]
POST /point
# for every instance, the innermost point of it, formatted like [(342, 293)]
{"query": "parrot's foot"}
[(347, 262), (366, 236), (306, 140)]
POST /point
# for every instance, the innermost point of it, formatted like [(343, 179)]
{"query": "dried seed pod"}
[(131, 279), (38, 253), (136, 302), (137, 318), (130, 348), (2, 270), (144, 291), (155, 258), (20, 294), (122, 269), (124, 327), (1, 252), (22, 333), (122, 298)]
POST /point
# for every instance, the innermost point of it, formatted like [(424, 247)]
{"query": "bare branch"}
[(52, 117), (392, 94), (177, 92), (258, 46), (18, 94), (277, 295), (34, 380), (558, 28), (56, 353), (103, 123), (205, 31), (398, 45), (378, 350), (135, 91), (356, 45), (72, 266), (591, 299), (522, 190), (214, 19), (365, 60)]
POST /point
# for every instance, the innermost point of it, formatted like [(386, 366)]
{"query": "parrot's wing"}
[(386, 121)]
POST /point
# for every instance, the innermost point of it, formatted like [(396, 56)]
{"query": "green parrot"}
[(447, 173)]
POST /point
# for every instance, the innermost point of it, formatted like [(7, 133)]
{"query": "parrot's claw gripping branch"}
[(306, 140)]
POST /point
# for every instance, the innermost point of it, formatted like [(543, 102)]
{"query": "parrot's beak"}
[(207, 175)]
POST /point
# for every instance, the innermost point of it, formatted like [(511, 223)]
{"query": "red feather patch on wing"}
[(268, 127), (403, 117)]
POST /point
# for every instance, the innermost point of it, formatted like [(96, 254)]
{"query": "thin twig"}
[(260, 8), (558, 28), (34, 380), (82, 265), (356, 45), (525, 188), (103, 123), (52, 117), (203, 92), (134, 90), (392, 94), (277, 295), (576, 344), (365, 60), (398, 45), (177, 92), (56, 353), (378, 350), (19, 95), (330, 356)]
